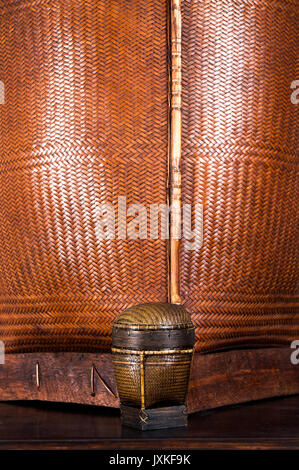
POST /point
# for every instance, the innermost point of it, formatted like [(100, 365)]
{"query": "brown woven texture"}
[(154, 316), (166, 378), (239, 159), (84, 121)]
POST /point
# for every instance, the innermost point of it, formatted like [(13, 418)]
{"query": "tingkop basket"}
[(152, 346)]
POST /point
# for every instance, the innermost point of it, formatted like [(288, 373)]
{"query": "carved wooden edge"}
[(216, 380), (59, 377), (240, 376)]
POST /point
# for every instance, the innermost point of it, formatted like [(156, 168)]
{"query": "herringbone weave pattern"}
[(84, 122), (239, 159)]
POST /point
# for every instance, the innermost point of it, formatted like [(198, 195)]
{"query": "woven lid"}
[(154, 316)]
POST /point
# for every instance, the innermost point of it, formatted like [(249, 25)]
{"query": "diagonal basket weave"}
[(85, 121), (240, 160)]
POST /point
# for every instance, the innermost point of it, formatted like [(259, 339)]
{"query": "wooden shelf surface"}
[(267, 424)]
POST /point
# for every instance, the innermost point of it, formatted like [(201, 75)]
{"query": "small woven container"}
[(152, 346)]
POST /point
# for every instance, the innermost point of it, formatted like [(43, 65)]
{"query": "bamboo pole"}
[(175, 150)]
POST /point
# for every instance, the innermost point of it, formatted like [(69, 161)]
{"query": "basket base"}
[(154, 418)]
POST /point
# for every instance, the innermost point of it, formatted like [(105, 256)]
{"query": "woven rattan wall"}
[(84, 122), (239, 159)]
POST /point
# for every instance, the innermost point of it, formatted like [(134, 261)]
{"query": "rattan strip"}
[(155, 352), (175, 149)]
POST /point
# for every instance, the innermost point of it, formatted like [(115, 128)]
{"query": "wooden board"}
[(267, 424), (154, 418), (216, 380), (63, 377), (240, 376)]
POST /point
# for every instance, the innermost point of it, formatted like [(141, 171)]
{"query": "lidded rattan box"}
[(152, 346)]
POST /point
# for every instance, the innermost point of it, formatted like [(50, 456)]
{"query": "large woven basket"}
[(85, 121)]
